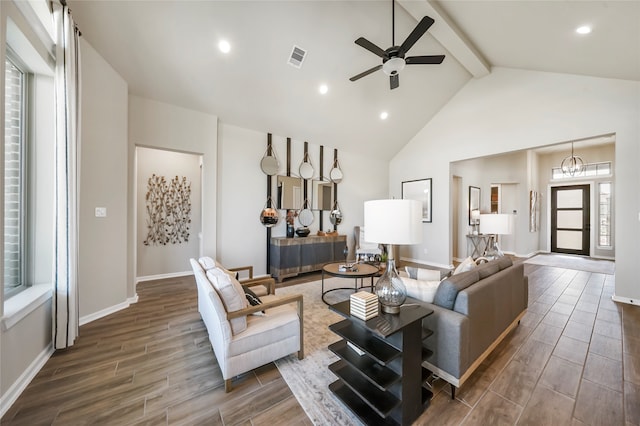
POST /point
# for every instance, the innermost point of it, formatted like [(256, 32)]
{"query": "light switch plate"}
[(101, 212)]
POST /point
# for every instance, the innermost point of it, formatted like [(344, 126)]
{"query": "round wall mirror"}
[(305, 217), (269, 216), (306, 170), (335, 174), (335, 217), (269, 165)]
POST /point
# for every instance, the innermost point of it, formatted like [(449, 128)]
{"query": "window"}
[(590, 170), (604, 214), (14, 177)]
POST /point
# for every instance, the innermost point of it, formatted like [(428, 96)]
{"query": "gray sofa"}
[(473, 312)]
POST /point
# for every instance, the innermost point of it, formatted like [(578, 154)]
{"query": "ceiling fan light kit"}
[(393, 66), (393, 59)]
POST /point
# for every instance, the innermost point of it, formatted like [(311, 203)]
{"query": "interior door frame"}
[(591, 210)]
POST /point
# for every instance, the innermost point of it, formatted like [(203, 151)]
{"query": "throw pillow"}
[(232, 274), (466, 265), (422, 274), (207, 263), (421, 290), (253, 300), (448, 289), (232, 296)]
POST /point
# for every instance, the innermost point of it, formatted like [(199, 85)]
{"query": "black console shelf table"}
[(380, 373)]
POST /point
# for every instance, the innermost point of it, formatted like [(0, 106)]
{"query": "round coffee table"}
[(364, 271)]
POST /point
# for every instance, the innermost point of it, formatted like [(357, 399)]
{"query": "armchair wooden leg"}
[(301, 354), (453, 392), (227, 385)]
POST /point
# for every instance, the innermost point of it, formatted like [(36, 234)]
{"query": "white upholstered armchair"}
[(245, 337)]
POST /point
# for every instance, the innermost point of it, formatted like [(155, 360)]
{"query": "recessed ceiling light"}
[(384, 115), (323, 89), (585, 29), (224, 46)]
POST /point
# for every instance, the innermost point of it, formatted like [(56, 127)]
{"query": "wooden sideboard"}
[(293, 256)]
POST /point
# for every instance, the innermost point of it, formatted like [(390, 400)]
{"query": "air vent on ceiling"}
[(297, 56)]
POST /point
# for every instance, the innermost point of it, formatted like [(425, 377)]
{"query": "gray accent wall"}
[(102, 276)]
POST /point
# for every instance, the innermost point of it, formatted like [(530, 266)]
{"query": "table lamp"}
[(494, 225), (475, 219), (392, 222)]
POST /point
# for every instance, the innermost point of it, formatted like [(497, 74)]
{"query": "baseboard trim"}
[(163, 276), (626, 300), (16, 389), (108, 311)]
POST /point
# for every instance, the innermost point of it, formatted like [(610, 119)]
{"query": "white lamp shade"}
[(393, 221), (500, 224), (475, 214)]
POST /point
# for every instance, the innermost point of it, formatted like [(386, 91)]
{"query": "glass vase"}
[(390, 289)]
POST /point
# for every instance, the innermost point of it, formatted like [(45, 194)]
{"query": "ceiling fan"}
[(393, 59)]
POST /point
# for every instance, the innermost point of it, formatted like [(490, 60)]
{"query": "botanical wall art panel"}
[(168, 210)]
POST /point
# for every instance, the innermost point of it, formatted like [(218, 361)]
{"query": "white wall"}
[(242, 191), (102, 278), (508, 170), (157, 259), (158, 125), (516, 109)]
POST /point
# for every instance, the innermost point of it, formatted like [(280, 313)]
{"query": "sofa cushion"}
[(466, 265), (487, 269), (232, 296), (421, 289), (504, 262), (449, 288)]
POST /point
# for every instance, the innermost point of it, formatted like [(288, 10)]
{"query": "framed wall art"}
[(419, 190)]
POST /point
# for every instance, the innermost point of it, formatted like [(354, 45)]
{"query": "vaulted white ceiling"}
[(167, 50)]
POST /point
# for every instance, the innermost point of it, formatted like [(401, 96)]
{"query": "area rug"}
[(578, 263), (309, 378)]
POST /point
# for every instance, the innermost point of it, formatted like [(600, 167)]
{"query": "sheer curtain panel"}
[(67, 154)]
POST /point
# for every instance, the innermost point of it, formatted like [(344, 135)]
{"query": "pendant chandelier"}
[(572, 165)]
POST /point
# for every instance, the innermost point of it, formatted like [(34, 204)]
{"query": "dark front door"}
[(570, 219)]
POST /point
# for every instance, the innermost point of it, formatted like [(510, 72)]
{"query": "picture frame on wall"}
[(474, 202), (419, 190)]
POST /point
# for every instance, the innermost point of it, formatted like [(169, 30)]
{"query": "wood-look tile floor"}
[(151, 364), (574, 359)]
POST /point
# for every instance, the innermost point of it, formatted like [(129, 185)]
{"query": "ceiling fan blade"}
[(394, 81), (415, 35), (363, 42), (432, 59), (367, 72)]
